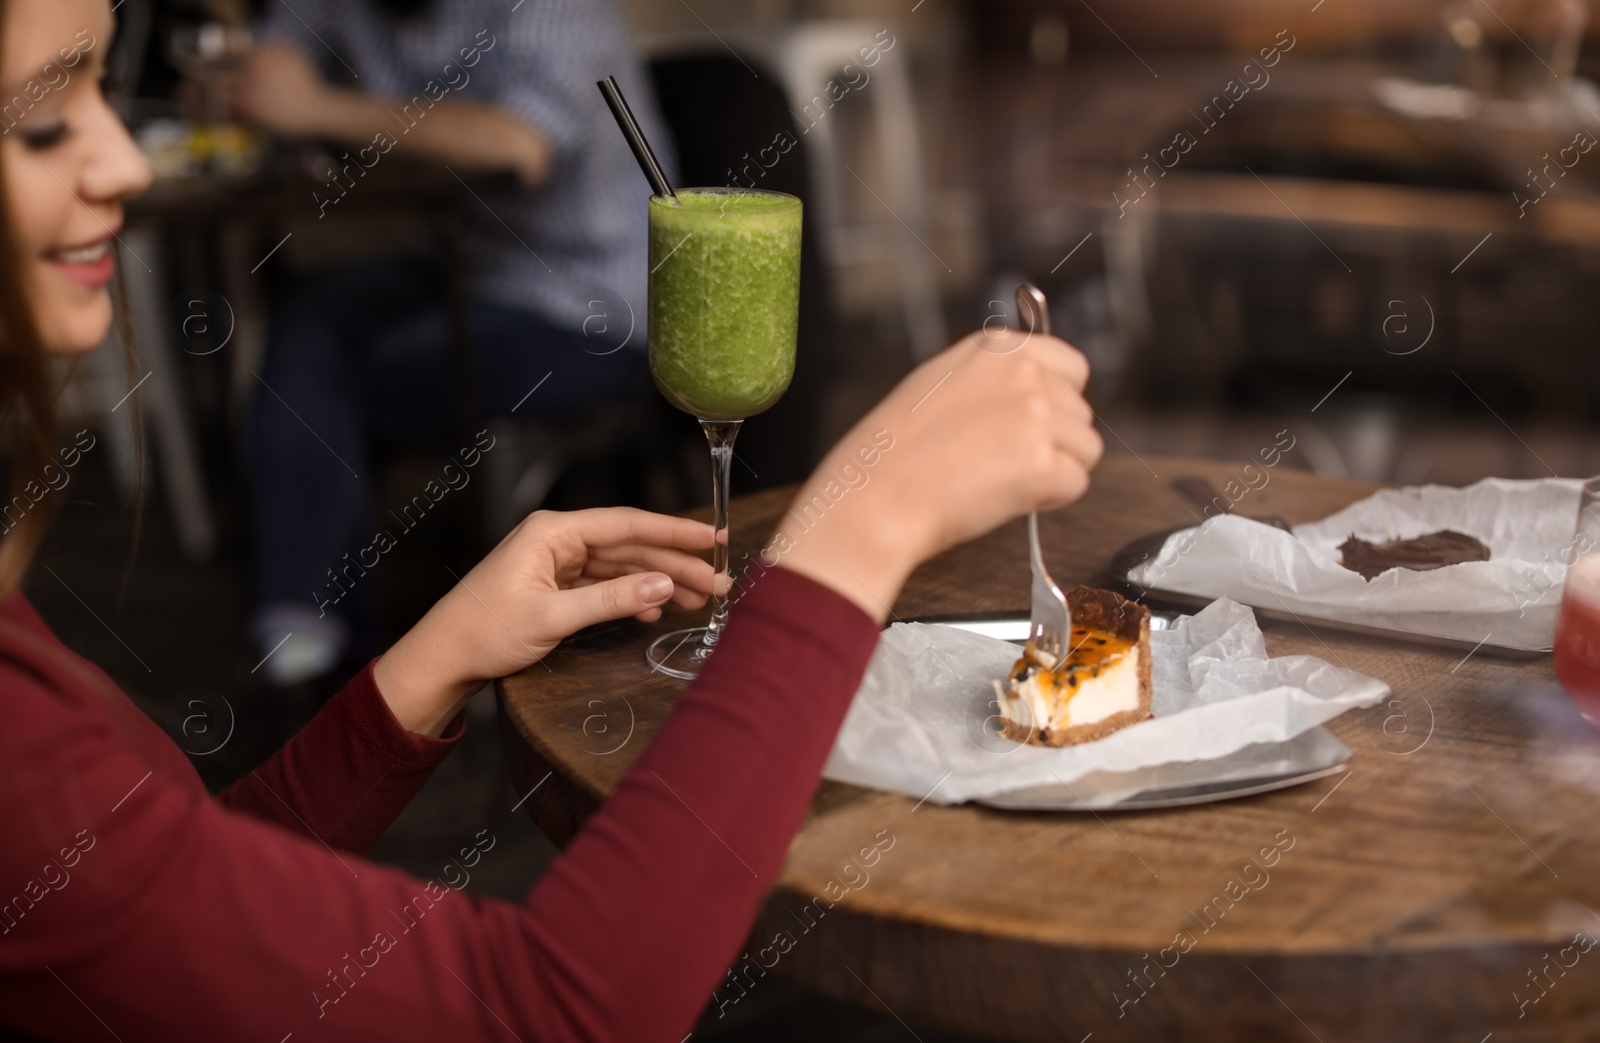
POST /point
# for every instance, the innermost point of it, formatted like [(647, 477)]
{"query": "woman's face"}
[(68, 164)]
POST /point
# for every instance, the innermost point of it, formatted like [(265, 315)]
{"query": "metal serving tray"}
[(1140, 549)]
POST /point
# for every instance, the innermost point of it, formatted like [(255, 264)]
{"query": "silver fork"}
[(1050, 622)]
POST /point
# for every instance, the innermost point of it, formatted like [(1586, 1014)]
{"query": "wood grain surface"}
[(1427, 894)]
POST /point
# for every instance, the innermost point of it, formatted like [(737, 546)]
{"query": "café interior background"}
[(1367, 230)]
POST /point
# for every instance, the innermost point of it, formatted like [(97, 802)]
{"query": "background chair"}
[(811, 58)]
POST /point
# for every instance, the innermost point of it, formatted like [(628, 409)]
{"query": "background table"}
[(196, 244), (1422, 895)]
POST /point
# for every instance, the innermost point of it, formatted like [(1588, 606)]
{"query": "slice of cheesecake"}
[(1101, 685)]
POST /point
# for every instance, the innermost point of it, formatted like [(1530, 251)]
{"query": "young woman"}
[(134, 905)]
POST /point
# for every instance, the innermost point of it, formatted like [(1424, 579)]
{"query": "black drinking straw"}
[(630, 130)]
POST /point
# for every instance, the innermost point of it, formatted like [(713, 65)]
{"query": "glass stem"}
[(720, 433)]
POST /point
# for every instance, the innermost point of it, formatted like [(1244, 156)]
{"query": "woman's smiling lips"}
[(90, 264)]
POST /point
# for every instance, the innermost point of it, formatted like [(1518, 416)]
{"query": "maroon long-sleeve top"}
[(135, 906)]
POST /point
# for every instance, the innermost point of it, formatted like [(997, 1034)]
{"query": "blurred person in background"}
[(554, 268)]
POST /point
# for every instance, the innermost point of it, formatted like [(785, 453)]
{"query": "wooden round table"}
[(1446, 888)]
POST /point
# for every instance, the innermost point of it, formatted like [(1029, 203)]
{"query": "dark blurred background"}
[(1375, 224)]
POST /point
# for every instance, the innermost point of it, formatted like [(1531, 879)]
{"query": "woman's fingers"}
[(586, 604), (685, 569), (682, 595), (1064, 360), (1063, 372), (614, 526)]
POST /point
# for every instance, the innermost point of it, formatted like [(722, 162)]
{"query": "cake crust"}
[(1108, 613)]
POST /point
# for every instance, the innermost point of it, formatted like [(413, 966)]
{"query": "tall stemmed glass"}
[(724, 307)]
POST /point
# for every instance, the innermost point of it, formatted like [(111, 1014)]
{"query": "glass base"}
[(679, 654)]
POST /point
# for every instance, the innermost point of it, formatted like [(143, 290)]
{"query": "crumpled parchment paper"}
[(923, 721), (1511, 599)]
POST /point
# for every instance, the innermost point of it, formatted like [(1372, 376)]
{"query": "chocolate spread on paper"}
[(1434, 550)]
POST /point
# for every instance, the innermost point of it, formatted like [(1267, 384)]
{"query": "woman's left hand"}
[(554, 574)]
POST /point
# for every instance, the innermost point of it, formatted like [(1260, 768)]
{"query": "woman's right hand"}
[(991, 428)]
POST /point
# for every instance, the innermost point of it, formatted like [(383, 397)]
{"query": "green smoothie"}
[(724, 299)]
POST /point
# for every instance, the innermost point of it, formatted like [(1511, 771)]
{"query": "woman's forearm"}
[(623, 939), (657, 894), (411, 677)]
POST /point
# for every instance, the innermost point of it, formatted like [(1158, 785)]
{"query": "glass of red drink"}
[(1577, 640)]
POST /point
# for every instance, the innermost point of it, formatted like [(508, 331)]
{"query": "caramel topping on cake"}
[(1089, 652), (1100, 685)]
